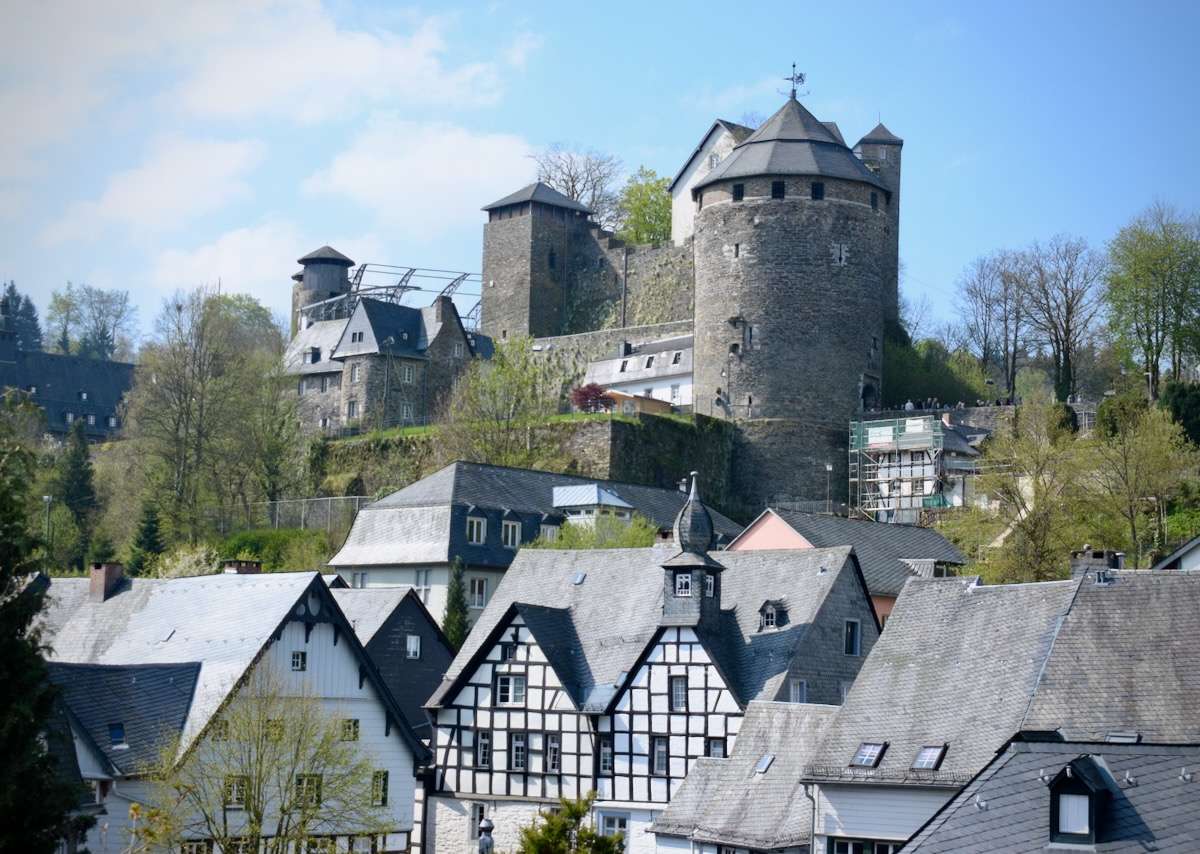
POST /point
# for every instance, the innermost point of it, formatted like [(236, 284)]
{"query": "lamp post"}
[(46, 499), (828, 474), (388, 342)]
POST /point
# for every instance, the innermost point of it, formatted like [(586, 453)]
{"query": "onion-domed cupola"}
[(692, 579)]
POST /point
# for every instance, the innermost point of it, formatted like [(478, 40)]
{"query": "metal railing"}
[(334, 514)]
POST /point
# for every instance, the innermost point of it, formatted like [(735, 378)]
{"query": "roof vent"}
[(1123, 737), (578, 579), (764, 763)]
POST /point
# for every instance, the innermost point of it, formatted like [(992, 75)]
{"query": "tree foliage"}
[(1182, 400), (604, 532), (35, 800), (92, 322), (496, 405), (568, 831), (286, 758), (147, 542), (592, 397), (455, 621), (588, 177), (73, 488), (644, 208), (22, 318)]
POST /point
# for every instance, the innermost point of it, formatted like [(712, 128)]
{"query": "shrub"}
[(279, 548)]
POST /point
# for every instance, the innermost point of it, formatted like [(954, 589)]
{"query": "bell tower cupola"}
[(692, 579)]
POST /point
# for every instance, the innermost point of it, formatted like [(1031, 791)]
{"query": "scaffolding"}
[(391, 283), (896, 468)]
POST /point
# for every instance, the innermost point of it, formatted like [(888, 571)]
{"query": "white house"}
[(661, 370), (139, 661), (714, 147)]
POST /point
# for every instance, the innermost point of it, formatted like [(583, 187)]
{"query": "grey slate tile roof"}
[(326, 253), (59, 380), (880, 134), (723, 801), (1168, 561), (1160, 813), (792, 142), (881, 547), (150, 701), (323, 334), (1125, 659), (738, 132), (368, 607), (610, 637), (958, 665), (425, 521), (538, 192), (608, 371)]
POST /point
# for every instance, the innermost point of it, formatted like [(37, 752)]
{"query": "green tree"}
[(568, 831), (92, 322), (22, 318), (605, 532), (67, 545), (1182, 400), (496, 407), (1119, 413), (1138, 468), (1153, 289), (645, 208), (101, 550), (72, 484), (148, 542), (454, 623), (35, 800)]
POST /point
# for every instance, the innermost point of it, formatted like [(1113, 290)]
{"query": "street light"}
[(828, 474), (46, 499)]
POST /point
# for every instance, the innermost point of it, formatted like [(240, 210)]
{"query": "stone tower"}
[(528, 244), (793, 257), (880, 150), (324, 275)]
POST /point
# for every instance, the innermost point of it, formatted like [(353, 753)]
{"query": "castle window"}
[(315, 354), (406, 411), (649, 361), (739, 192), (624, 365), (324, 383), (713, 160), (354, 373), (874, 201), (737, 250), (352, 409), (839, 253), (683, 585), (777, 189), (675, 358), (710, 580), (552, 260), (818, 190), (407, 373), (853, 645)]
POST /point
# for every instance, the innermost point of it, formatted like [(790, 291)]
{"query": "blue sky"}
[(155, 146)]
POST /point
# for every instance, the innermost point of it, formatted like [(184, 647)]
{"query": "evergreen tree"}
[(35, 800), (72, 483), (147, 543), (454, 624), (568, 831), (101, 550), (22, 318)]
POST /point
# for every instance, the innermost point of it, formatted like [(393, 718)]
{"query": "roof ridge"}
[(1059, 623)]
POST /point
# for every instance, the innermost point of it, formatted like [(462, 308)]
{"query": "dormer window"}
[(83, 395), (768, 617), (772, 615), (315, 355), (710, 585), (1077, 795), (683, 585), (116, 735), (624, 365)]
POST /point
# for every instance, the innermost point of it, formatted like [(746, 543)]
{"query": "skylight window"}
[(116, 735), (929, 757), (764, 763), (869, 753)]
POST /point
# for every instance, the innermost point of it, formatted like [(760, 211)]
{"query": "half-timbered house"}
[(615, 671)]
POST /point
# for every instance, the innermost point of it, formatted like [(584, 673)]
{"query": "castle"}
[(783, 268)]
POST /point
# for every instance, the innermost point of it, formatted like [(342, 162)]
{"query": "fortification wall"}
[(569, 355)]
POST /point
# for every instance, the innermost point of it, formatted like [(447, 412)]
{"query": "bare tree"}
[(914, 316), (976, 303), (275, 773), (1010, 312), (1064, 300), (588, 177)]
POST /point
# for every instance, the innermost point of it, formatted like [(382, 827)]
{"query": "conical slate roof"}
[(881, 135), (326, 253), (792, 142), (539, 192), (693, 532)]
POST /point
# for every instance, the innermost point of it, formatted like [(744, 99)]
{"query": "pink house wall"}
[(769, 532)]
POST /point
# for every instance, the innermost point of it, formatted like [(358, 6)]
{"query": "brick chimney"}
[(1088, 559), (104, 579), (242, 567), (444, 308)]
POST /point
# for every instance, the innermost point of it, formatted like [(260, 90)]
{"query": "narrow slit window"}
[(739, 192), (818, 190), (778, 189)]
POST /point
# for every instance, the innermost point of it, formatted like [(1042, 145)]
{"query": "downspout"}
[(624, 283), (809, 788)]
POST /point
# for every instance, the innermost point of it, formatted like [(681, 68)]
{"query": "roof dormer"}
[(772, 615), (1079, 794)]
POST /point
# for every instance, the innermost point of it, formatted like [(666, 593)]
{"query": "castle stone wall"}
[(569, 354)]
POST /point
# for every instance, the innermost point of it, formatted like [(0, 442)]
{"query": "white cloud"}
[(425, 178), (523, 46), (181, 179)]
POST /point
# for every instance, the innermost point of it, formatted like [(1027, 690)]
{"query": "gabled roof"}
[(1160, 813), (326, 253), (149, 701), (881, 547), (726, 802), (367, 608), (403, 324), (881, 135), (322, 334), (600, 643), (1173, 557), (958, 665), (541, 193), (1125, 659), (738, 132), (792, 142), (59, 379)]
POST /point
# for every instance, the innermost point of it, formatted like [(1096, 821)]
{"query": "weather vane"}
[(797, 78)]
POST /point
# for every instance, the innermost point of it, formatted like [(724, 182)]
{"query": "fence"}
[(334, 514)]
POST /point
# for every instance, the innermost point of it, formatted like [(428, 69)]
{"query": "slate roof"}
[(594, 645), (1125, 659), (880, 134), (958, 664), (324, 334), (367, 608), (587, 495), (1160, 813), (608, 371), (1173, 557), (326, 253), (881, 547), (542, 193), (738, 132), (792, 142), (151, 702), (59, 380), (417, 525), (724, 802)]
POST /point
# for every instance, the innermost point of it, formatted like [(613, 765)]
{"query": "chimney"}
[(104, 579), (241, 567), (444, 307), (1089, 559)]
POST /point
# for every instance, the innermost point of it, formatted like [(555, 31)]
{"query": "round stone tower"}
[(324, 275), (793, 249)]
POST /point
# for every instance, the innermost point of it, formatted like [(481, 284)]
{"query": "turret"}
[(880, 150), (692, 579), (324, 276)]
